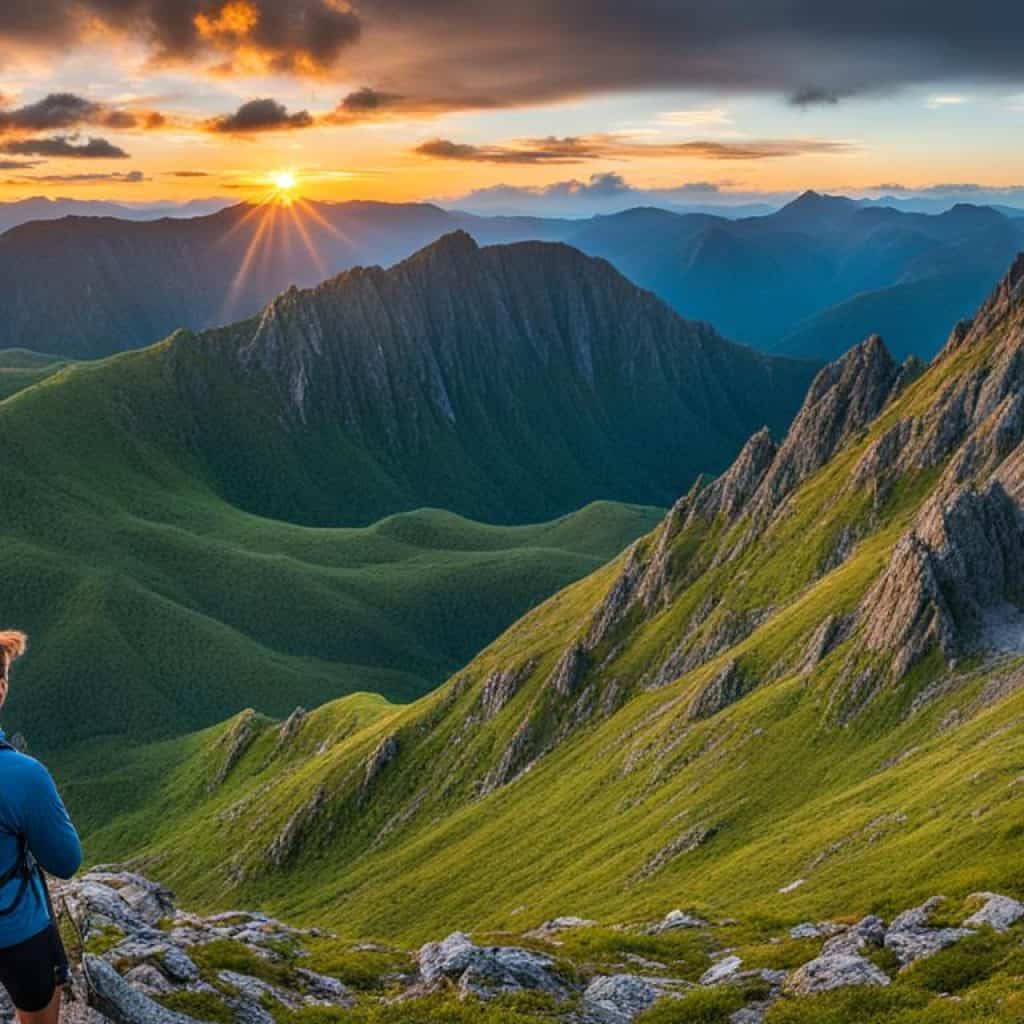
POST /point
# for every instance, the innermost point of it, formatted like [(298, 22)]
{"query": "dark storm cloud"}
[(285, 35), (808, 51), (264, 115), (457, 51), (65, 146), (575, 149)]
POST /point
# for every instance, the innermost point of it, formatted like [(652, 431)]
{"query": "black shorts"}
[(34, 969)]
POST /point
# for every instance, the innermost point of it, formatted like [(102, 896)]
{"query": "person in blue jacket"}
[(35, 831)]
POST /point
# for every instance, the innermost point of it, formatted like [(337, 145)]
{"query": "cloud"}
[(17, 165), (239, 36), (127, 178), (537, 51), (189, 174), (67, 110), (712, 117), (819, 96), (367, 104), (577, 149), (65, 146), (265, 115), (939, 102), (610, 192)]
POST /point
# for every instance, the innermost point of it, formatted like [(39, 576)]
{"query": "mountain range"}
[(231, 517), (809, 280), (799, 696)]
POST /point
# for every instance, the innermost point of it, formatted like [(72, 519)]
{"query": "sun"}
[(285, 181)]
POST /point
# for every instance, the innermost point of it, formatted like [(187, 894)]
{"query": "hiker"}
[(36, 835)]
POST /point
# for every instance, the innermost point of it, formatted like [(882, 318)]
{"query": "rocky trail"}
[(140, 959)]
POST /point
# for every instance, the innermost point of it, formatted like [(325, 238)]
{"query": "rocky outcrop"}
[(514, 759), (676, 919), (487, 971), (150, 946), (844, 398), (832, 971), (287, 843), (618, 999), (911, 937), (550, 930), (567, 675), (867, 934), (728, 685), (501, 686), (383, 755), (236, 742), (831, 632), (963, 555), (686, 842), (997, 912), (725, 969)]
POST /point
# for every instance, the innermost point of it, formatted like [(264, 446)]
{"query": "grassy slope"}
[(891, 807), (136, 581), (20, 369)]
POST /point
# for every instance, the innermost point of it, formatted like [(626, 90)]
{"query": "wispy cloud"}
[(577, 149), (712, 117), (947, 100)]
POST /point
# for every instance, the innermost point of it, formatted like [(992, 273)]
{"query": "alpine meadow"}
[(511, 514)]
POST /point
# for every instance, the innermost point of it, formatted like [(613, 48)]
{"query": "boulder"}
[(834, 971), (549, 929), (998, 912), (678, 919), (865, 934), (323, 990), (486, 971), (112, 996), (810, 930), (724, 970), (911, 938), (618, 998)]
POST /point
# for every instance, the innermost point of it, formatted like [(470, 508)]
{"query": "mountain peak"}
[(455, 243)]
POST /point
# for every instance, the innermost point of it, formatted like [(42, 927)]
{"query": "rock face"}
[(414, 366), (967, 547), (487, 971), (844, 398)]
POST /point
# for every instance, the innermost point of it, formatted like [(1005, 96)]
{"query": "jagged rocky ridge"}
[(139, 959)]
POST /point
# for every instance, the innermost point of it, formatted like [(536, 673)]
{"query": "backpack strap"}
[(24, 868)]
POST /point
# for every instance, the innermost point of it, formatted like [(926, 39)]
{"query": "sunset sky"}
[(173, 99)]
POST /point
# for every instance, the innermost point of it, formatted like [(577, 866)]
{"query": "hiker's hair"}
[(12, 645)]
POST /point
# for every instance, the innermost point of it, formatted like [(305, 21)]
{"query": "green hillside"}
[(20, 368), (788, 702)]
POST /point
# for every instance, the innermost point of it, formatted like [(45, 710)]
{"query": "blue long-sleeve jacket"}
[(30, 806)]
